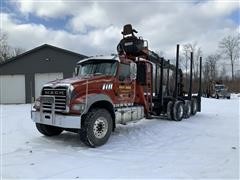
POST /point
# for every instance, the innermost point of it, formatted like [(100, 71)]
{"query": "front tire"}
[(48, 130), (96, 128)]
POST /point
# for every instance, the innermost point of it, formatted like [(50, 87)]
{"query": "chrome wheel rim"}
[(100, 127)]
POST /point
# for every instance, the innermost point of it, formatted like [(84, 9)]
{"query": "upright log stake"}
[(176, 73), (200, 85), (190, 77)]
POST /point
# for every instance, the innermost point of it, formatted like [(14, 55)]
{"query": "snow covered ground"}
[(204, 146)]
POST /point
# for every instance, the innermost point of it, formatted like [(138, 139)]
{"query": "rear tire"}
[(48, 130), (170, 110), (178, 110), (187, 109), (96, 128), (194, 106)]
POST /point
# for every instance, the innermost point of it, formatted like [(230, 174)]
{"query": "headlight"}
[(78, 107), (37, 104)]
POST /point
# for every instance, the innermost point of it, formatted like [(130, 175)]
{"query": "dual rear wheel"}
[(178, 110), (175, 110)]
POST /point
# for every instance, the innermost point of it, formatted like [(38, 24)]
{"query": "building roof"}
[(41, 47)]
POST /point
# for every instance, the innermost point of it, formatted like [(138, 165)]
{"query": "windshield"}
[(219, 87), (99, 67)]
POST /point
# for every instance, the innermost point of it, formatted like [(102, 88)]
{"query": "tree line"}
[(214, 65)]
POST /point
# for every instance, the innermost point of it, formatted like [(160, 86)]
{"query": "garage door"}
[(41, 79), (12, 89)]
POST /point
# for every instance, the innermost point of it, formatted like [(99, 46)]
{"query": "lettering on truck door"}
[(125, 90)]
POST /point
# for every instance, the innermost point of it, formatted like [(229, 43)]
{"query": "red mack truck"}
[(118, 89)]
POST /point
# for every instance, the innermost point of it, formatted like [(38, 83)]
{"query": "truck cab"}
[(103, 85), (221, 91), (217, 90)]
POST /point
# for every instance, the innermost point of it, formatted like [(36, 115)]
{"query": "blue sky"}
[(53, 23), (235, 16)]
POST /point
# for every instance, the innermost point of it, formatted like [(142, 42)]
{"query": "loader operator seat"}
[(127, 30), (130, 44)]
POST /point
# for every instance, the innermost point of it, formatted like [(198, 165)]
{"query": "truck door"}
[(125, 90)]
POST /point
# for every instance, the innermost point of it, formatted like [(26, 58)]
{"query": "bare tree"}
[(197, 55), (230, 47), (186, 57), (197, 52), (6, 51), (211, 66), (206, 71), (223, 72), (18, 51)]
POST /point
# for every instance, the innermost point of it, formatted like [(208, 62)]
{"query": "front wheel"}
[(96, 128), (48, 130)]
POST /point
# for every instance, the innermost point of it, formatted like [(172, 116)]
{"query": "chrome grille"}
[(60, 95)]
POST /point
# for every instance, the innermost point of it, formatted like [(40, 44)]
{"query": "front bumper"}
[(59, 120)]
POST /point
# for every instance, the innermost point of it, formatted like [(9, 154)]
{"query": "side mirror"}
[(133, 71)]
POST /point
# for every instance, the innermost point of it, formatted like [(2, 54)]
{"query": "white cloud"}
[(94, 28), (50, 9), (93, 17), (29, 36), (218, 8)]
